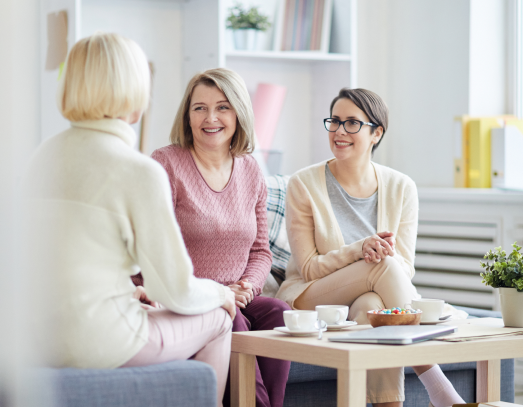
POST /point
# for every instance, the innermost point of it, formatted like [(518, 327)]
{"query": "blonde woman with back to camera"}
[(352, 230), (106, 211)]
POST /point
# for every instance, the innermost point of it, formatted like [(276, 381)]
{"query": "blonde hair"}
[(106, 75), (233, 86)]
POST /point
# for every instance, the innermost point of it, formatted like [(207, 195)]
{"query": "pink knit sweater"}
[(225, 232)]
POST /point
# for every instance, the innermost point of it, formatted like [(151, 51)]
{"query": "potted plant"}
[(245, 25), (506, 273)]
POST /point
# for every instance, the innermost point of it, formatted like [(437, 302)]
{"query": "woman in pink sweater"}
[(219, 198)]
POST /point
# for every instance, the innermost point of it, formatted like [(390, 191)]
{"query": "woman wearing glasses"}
[(352, 228)]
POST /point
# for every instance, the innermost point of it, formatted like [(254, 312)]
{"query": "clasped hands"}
[(243, 293), (378, 246)]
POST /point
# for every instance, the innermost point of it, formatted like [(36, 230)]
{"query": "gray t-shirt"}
[(357, 217)]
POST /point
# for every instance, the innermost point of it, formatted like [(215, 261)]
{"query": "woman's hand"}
[(229, 304), (378, 246), (243, 293), (140, 295), (389, 238)]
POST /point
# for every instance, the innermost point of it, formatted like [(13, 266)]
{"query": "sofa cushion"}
[(279, 244), (174, 384)]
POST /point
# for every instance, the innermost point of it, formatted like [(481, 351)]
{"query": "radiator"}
[(447, 265)]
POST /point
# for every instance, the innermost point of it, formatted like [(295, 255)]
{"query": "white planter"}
[(511, 307), (245, 39)]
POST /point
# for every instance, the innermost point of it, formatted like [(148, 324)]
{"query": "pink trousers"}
[(205, 337)]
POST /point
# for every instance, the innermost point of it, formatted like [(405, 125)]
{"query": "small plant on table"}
[(506, 274)]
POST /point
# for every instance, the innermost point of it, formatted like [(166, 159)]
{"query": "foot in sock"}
[(440, 389)]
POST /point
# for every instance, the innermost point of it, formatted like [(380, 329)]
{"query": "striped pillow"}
[(279, 244)]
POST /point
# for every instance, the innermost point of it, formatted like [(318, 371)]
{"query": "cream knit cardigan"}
[(315, 238), (100, 212)]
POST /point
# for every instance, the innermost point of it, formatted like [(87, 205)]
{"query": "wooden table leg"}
[(352, 388), (243, 380), (488, 380)]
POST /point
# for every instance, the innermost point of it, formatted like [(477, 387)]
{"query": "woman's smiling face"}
[(352, 146), (211, 117)]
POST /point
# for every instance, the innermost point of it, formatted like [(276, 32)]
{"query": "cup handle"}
[(295, 324), (407, 306)]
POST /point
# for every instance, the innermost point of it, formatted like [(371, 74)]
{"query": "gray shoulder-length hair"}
[(233, 86)]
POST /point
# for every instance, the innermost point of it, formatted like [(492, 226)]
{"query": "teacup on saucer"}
[(333, 314), (298, 320)]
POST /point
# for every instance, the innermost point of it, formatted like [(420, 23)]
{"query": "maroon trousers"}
[(261, 314)]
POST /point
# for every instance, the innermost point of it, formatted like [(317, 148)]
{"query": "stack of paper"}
[(480, 330)]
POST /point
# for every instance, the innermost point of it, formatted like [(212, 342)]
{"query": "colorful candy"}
[(396, 311)]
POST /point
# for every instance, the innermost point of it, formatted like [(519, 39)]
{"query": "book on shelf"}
[(472, 149), (479, 150), (506, 148), (303, 25), (267, 106), (461, 148)]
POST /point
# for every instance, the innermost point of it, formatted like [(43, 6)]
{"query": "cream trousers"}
[(364, 287)]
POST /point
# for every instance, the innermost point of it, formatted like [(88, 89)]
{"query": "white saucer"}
[(339, 327), (285, 330), (433, 322)]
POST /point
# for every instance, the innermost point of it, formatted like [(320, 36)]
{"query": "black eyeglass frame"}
[(343, 123)]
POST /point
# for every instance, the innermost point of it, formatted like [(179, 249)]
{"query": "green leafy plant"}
[(504, 271), (241, 18)]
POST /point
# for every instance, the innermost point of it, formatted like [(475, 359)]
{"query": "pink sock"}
[(440, 389)]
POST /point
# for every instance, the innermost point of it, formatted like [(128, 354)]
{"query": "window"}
[(515, 54)]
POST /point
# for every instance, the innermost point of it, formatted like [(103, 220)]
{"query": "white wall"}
[(431, 61), (19, 136), (415, 55), (156, 26), (488, 57)]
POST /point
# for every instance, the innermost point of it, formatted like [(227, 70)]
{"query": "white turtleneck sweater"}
[(99, 211)]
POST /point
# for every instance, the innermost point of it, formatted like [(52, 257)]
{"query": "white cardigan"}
[(315, 238), (99, 212)]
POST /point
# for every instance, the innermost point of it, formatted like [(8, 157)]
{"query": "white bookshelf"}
[(292, 55), (312, 79), (189, 36)]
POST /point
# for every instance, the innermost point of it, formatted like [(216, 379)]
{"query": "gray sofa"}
[(185, 383)]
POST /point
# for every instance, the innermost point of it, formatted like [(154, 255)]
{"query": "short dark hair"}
[(371, 104)]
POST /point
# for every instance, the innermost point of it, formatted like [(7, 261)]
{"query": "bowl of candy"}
[(394, 316)]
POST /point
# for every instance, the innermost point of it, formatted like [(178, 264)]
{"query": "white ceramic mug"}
[(297, 320), (431, 308), (333, 314)]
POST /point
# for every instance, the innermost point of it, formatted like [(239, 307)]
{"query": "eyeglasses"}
[(351, 126)]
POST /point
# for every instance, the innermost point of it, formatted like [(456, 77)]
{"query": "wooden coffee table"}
[(353, 360)]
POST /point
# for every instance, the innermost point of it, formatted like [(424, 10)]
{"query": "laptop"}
[(396, 334)]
